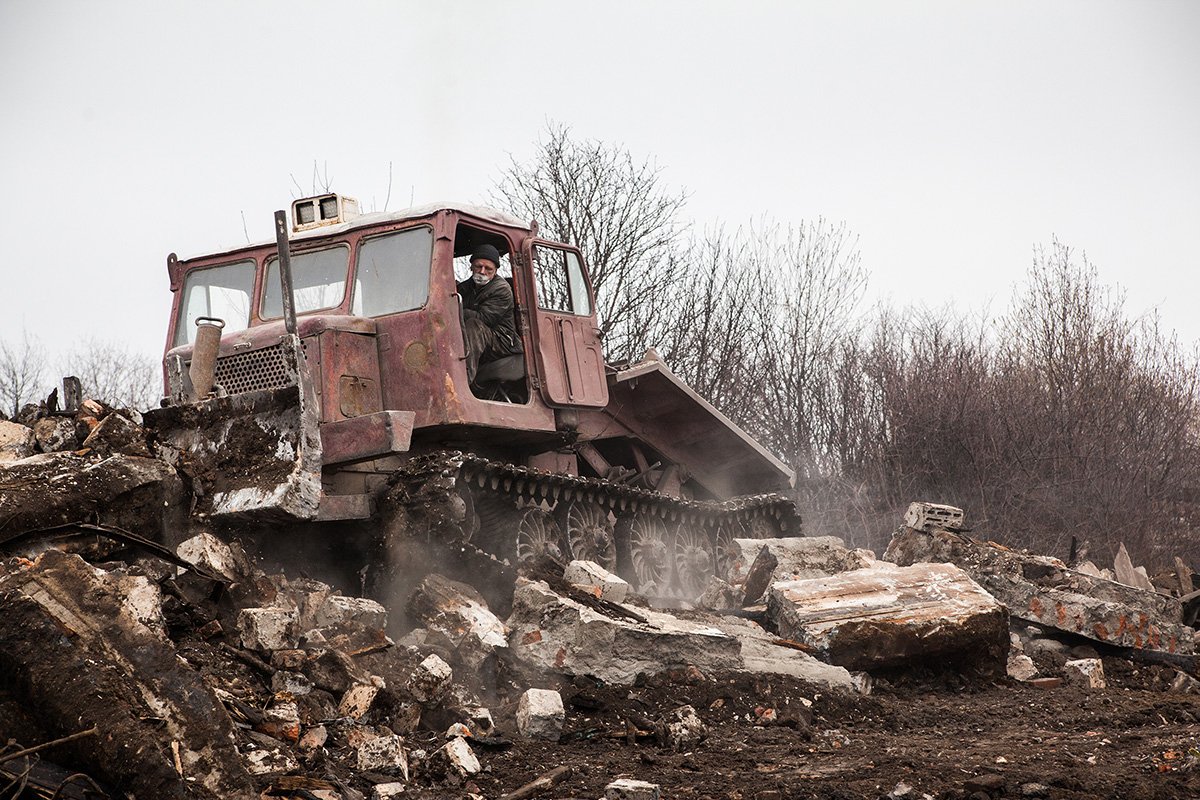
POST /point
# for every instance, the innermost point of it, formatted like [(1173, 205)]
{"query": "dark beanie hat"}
[(487, 251)]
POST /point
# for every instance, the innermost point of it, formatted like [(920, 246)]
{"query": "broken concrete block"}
[(1086, 672), (293, 683), (207, 551), (680, 729), (117, 434), (267, 628), (383, 753), (930, 517), (630, 789), (595, 579), (480, 721), (1021, 667), (333, 671), (455, 758), (430, 680), (338, 610), (799, 557), (719, 595), (16, 442), (558, 634), (313, 738), (887, 615), (387, 791), (759, 575), (1185, 684), (1043, 590), (1127, 573), (270, 761), (281, 721), (357, 700), (459, 613), (55, 434), (540, 714)]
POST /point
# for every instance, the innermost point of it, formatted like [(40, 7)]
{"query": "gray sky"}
[(951, 137)]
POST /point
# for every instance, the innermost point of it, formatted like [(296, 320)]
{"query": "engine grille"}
[(258, 369)]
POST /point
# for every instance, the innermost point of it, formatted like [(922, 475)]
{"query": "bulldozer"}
[(301, 374)]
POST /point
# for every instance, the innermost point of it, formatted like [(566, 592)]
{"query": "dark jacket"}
[(492, 304)]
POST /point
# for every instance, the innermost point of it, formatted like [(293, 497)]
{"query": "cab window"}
[(392, 273), (318, 278), (560, 282), (223, 292)]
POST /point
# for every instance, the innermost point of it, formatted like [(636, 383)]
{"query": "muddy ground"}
[(937, 734)]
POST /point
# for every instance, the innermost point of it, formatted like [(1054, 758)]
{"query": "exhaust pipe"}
[(204, 355)]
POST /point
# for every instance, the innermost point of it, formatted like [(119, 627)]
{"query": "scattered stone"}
[(558, 634), (760, 574), (207, 551), (1045, 683), (1042, 590), (481, 722), (460, 613), (719, 595), (862, 682), (457, 729), (117, 434), (337, 611), (293, 683), (430, 680), (314, 738), (1045, 645), (383, 753), (281, 721), (1185, 684), (55, 434), (1127, 574), (357, 700), (630, 789), (887, 615), (273, 761), (902, 791), (333, 671), (1021, 667), (798, 557), (595, 579), (267, 628), (387, 791), (455, 758), (540, 714), (1034, 790), (16, 442), (1086, 672), (680, 729), (1184, 574)]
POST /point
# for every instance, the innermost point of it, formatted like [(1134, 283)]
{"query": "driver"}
[(491, 330)]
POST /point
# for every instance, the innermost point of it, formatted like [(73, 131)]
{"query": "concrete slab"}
[(557, 634), (888, 615)]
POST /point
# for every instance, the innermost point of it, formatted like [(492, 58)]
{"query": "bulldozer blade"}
[(251, 455)]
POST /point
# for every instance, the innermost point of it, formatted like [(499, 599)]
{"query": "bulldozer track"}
[(665, 546)]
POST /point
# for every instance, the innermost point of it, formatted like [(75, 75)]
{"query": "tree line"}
[(1061, 417)]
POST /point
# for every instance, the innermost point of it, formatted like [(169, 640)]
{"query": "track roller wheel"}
[(727, 552), (760, 526), (537, 534), (645, 553), (694, 559), (589, 532)]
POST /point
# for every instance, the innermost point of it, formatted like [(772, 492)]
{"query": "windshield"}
[(393, 273), (318, 277), (223, 292)]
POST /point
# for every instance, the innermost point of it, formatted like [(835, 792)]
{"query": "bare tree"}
[(114, 374), (21, 372), (616, 209)]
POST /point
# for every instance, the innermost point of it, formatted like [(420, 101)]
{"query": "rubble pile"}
[(147, 652)]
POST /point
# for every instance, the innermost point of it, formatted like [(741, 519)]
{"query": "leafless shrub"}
[(616, 209), (22, 368), (116, 375)]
